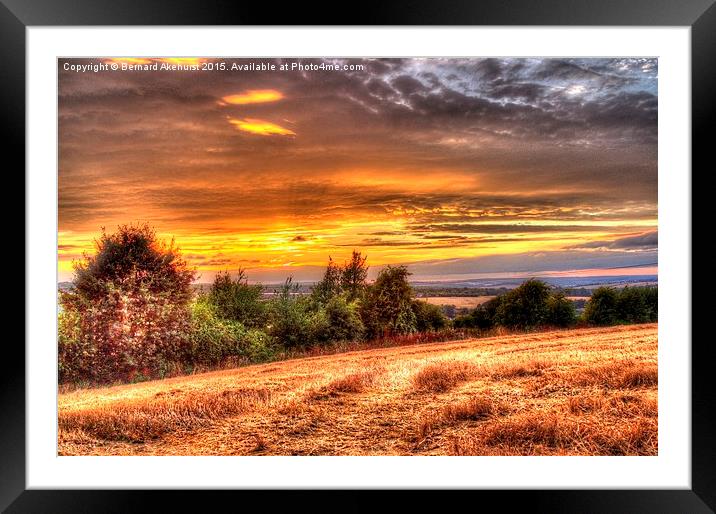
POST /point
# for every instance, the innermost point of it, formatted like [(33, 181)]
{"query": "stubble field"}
[(571, 392)]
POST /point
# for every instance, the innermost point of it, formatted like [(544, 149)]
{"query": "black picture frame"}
[(700, 15)]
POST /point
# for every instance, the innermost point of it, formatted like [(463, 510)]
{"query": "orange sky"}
[(407, 160)]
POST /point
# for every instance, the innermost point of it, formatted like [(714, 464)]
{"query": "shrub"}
[(428, 316), (344, 322), (482, 317), (560, 311), (214, 339), (126, 331), (601, 309), (75, 353), (237, 300), (291, 321), (387, 304), (525, 306), (637, 304), (127, 312)]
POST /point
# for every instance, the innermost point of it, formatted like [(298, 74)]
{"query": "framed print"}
[(420, 252)]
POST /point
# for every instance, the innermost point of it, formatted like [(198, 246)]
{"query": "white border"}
[(670, 469)]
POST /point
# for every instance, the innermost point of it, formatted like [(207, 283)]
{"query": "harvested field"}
[(571, 392)]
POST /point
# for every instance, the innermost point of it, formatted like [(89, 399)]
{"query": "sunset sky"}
[(454, 166)]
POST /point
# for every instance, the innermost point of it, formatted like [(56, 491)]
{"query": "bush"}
[(387, 305), (608, 306), (651, 302), (482, 317), (344, 322), (126, 331), (127, 313), (638, 304), (214, 339), (235, 299), (560, 311), (292, 322), (76, 354), (525, 306), (601, 309), (428, 316)]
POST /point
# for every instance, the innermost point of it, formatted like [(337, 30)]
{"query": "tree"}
[(651, 301), (387, 304), (236, 299), (128, 310), (428, 316), (601, 309), (483, 316), (560, 310), (633, 305), (329, 286), (354, 275), (344, 322), (134, 254), (293, 323), (525, 306)]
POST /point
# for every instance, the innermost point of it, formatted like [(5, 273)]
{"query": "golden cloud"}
[(261, 127), (254, 96)]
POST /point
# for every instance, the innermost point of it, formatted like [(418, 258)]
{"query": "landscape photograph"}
[(357, 256)]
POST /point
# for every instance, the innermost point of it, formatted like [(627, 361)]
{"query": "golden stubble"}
[(572, 392)]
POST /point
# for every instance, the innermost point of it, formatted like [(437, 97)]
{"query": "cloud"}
[(640, 242), (534, 262), (253, 96), (261, 127), (421, 157), (480, 228)]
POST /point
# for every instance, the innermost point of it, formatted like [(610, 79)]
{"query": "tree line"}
[(132, 314)]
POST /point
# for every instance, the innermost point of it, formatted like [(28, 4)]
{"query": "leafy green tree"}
[(525, 306), (602, 307), (292, 321), (483, 316), (353, 276), (329, 286), (428, 316), (133, 254), (127, 312), (387, 304), (651, 303), (236, 299), (560, 310), (344, 322)]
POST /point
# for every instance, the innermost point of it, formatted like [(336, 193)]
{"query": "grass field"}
[(467, 302), (572, 392)]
